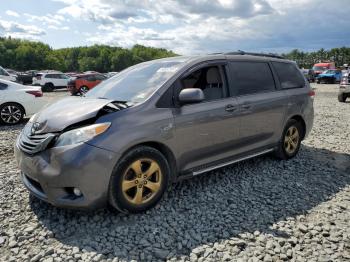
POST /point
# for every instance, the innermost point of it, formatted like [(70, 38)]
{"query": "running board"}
[(195, 173)]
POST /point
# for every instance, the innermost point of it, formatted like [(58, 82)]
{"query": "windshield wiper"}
[(122, 104)]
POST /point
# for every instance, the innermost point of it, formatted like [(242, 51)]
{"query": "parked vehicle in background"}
[(6, 75), (161, 121), (321, 67), (11, 71), (110, 74), (18, 101), (25, 78), (330, 76), (70, 74), (309, 74), (51, 81), (344, 88), (21, 77), (80, 84)]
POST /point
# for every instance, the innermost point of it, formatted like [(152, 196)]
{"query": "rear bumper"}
[(52, 174)]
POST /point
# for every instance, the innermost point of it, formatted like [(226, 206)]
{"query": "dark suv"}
[(160, 121)]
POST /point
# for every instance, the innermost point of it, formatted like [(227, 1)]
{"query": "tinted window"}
[(62, 76), (3, 86), (50, 76), (289, 75), (91, 78), (251, 77), (100, 77)]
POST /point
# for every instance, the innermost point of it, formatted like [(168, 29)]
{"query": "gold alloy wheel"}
[(291, 140), (141, 181)]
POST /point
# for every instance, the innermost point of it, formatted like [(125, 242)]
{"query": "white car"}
[(51, 81), (18, 101), (6, 75)]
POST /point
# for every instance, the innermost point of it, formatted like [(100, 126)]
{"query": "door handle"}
[(230, 108)]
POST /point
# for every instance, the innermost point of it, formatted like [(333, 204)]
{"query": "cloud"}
[(45, 20), (12, 13), (19, 30), (202, 26), (62, 28)]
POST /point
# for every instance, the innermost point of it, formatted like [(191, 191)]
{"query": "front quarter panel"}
[(135, 126)]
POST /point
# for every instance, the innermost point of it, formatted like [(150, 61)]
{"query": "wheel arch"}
[(165, 150), (301, 120), (14, 102)]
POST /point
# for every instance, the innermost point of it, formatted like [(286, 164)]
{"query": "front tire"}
[(341, 97), (290, 141), (48, 87), (139, 180), (11, 113)]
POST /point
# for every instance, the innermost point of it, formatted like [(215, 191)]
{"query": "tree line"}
[(340, 56), (25, 55)]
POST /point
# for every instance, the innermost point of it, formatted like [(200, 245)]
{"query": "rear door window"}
[(50, 76), (100, 77), (288, 75), (251, 77)]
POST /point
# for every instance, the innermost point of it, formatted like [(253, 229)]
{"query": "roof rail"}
[(240, 52)]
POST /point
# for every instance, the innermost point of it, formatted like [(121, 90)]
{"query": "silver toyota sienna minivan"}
[(161, 121)]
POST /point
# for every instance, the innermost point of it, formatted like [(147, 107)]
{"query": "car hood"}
[(66, 112)]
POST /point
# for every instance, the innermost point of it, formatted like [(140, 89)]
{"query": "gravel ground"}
[(258, 210)]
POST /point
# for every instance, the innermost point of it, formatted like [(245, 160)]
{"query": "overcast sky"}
[(184, 26)]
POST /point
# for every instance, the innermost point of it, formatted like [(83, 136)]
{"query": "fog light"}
[(77, 192)]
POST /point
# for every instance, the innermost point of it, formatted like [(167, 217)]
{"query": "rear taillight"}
[(36, 93), (312, 93)]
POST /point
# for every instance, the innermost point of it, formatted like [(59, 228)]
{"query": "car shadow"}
[(220, 205)]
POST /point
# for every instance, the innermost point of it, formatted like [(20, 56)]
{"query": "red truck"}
[(321, 67)]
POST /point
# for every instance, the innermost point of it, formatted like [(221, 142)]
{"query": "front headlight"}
[(82, 134)]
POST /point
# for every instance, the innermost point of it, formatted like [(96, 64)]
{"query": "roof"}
[(240, 55), (323, 64)]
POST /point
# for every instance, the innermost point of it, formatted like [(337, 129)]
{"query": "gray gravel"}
[(259, 210)]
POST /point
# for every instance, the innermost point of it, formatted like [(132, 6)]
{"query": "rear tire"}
[(290, 141), (341, 97), (83, 90), (139, 180), (49, 87), (11, 113)]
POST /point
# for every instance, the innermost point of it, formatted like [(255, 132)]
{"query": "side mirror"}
[(191, 95)]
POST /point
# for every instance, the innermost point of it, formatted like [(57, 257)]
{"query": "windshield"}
[(137, 83), (329, 72), (319, 68)]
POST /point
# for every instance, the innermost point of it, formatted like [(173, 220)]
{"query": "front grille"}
[(33, 143)]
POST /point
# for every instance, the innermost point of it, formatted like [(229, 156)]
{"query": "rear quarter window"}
[(288, 75), (251, 77)]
